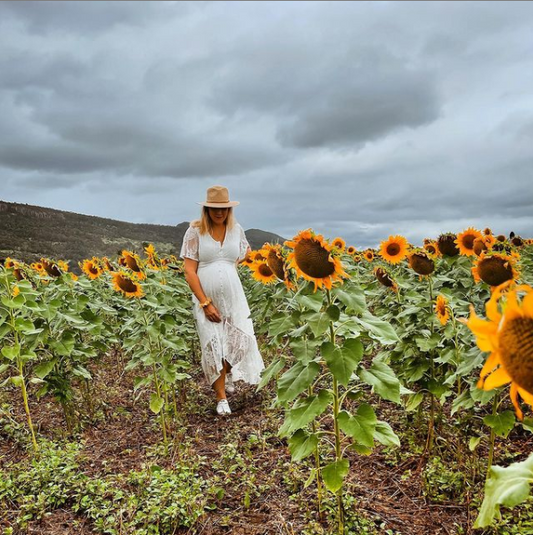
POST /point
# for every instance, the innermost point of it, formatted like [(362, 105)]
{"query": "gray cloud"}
[(355, 119)]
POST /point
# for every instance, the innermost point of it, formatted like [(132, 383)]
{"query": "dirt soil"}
[(389, 493)]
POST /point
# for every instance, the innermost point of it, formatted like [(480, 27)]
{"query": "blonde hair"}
[(204, 224)]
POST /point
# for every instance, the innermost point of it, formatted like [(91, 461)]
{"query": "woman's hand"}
[(212, 314)]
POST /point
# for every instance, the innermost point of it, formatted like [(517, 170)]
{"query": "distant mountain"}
[(29, 232)]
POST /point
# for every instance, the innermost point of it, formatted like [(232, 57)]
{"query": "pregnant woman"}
[(212, 248)]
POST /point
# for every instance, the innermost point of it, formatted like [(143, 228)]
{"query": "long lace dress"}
[(232, 339)]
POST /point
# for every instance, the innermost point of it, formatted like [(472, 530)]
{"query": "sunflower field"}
[(397, 395)]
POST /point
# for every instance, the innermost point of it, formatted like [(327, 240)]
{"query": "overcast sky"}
[(358, 119)]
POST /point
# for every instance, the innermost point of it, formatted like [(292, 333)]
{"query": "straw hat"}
[(218, 197)]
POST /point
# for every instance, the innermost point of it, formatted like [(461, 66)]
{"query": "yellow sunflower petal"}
[(497, 378), (513, 394)]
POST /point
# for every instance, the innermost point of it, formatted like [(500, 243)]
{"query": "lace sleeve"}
[(189, 247), (244, 246)]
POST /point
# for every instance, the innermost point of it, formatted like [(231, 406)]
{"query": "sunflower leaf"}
[(304, 411), (296, 380), (380, 329), (361, 426), (505, 486), (382, 378), (302, 444), (342, 361), (271, 371), (501, 423), (333, 474), (156, 403), (353, 297)]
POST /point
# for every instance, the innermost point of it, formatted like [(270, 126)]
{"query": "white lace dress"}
[(232, 339)]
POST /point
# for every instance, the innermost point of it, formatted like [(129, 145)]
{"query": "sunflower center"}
[(421, 264), (393, 249), (275, 263), (126, 285), (516, 350), (313, 259), (93, 269), (265, 270), (468, 241), (494, 270)]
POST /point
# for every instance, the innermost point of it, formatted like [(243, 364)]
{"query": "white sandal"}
[(223, 407)]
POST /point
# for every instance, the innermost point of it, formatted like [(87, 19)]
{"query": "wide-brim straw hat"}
[(218, 197)]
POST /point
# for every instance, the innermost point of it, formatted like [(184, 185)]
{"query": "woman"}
[(212, 248)]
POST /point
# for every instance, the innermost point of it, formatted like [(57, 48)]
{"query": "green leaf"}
[(304, 349), (381, 377), (319, 322), (271, 371), (24, 325), (414, 401), (473, 443), (501, 423), (334, 312), (380, 329), (302, 444), (16, 302), (506, 486), (156, 403), (385, 435), (342, 361), (361, 426), (280, 324), (353, 298), (64, 346), (333, 474), (43, 369), (296, 379), (305, 411), (311, 301), (11, 352)]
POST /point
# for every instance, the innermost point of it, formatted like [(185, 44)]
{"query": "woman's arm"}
[(191, 276)]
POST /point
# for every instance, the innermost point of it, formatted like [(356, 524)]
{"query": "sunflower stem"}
[(20, 367), (317, 464), (336, 408), (495, 403)]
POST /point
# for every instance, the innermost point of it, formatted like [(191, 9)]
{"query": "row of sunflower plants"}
[(425, 293), (325, 374), (56, 325)]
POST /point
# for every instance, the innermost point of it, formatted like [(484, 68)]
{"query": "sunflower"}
[(465, 241), (368, 255), (132, 261), (441, 309), (495, 268), (501, 237), (351, 250), (15, 291), (508, 335), (9, 263), (262, 273), (446, 244), (479, 246), (487, 231), (91, 268), (314, 259), (394, 249), (38, 266), (258, 256), (517, 241), (384, 278), (106, 264), (51, 268), (150, 250), (339, 243), (489, 241), (357, 258), (421, 263), (432, 249), (275, 260), (127, 286)]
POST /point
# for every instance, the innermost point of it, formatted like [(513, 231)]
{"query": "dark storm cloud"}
[(356, 119)]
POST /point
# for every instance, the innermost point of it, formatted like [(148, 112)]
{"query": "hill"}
[(30, 232)]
